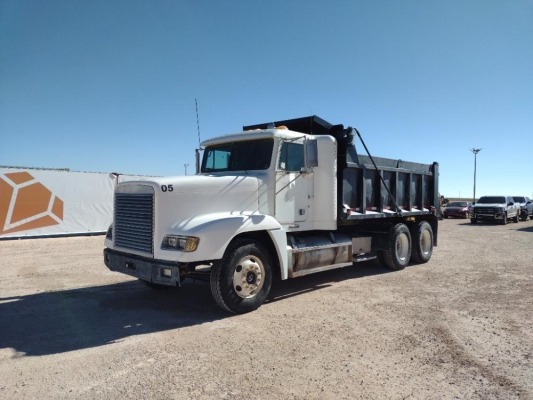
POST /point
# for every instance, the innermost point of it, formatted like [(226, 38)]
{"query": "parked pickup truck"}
[(526, 207), (495, 208)]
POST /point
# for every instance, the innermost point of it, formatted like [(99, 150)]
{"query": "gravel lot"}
[(459, 327)]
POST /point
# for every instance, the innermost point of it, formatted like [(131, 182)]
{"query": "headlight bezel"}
[(186, 244)]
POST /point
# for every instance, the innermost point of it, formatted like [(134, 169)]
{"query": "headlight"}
[(180, 243)]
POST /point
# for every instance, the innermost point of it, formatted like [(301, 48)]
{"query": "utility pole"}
[(475, 151), (185, 165)]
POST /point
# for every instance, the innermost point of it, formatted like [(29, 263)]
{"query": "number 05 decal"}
[(167, 188)]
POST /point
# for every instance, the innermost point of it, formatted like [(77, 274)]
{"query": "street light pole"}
[(185, 165), (475, 151)]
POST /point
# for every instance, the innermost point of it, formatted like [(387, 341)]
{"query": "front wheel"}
[(241, 281), (504, 219), (422, 235), (397, 253), (516, 217), (473, 220)]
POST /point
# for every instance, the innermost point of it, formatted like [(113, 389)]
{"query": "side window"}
[(291, 157), (217, 159)]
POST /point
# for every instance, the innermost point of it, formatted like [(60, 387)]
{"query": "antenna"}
[(197, 122)]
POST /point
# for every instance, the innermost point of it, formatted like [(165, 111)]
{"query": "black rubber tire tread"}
[(473, 220), (221, 278), (389, 256), (417, 254), (516, 218)]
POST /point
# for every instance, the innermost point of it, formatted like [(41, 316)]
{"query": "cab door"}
[(292, 185)]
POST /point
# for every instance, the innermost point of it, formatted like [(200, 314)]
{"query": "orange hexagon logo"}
[(27, 204)]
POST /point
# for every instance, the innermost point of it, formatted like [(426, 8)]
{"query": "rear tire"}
[(422, 235), (397, 254), (241, 281)]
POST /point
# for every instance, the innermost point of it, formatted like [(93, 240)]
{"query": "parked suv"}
[(526, 207), (495, 208)]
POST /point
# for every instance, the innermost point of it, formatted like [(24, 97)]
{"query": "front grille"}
[(485, 210), (134, 226)]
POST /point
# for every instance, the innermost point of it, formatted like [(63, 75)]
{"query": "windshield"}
[(491, 200), (458, 204), (238, 156), (519, 199)]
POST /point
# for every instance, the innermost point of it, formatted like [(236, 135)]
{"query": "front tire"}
[(516, 217), (422, 235), (397, 254), (241, 281), (473, 220), (504, 219)]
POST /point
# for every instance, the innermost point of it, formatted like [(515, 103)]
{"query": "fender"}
[(216, 231)]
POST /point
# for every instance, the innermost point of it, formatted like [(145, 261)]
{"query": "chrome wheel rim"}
[(425, 242), (248, 278), (402, 247)]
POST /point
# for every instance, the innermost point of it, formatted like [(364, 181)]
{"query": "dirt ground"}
[(458, 327)]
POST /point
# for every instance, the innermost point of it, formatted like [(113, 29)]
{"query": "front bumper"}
[(457, 214), (150, 270), (492, 217)]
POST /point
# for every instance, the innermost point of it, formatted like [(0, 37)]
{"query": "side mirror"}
[(311, 153)]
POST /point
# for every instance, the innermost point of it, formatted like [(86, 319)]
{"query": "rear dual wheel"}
[(422, 235), (397, 251), (404, 245)]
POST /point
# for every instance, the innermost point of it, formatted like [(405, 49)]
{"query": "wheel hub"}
[(425, 242), (248, 277), (402, 246)]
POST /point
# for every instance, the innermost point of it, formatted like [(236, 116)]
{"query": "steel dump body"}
[(412, 188)]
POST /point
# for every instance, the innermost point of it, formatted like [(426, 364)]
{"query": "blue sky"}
[(111, 85)]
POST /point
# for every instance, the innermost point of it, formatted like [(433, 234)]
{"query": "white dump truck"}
[(278, 200)]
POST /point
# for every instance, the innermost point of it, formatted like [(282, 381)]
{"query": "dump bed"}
[(372, 187)]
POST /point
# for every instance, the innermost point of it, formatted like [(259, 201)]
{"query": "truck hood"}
[(186, 197)]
